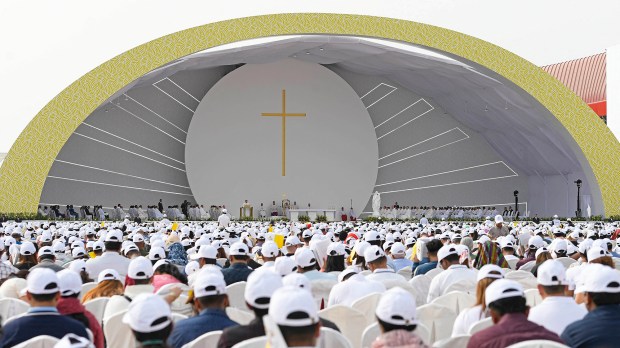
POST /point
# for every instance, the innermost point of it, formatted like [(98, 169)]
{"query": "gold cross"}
[(284, 115)]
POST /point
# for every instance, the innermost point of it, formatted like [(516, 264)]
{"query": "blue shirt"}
[(237, 272), (40, 321), (189, 329), (422, 269), (401, 263), (598, 328)]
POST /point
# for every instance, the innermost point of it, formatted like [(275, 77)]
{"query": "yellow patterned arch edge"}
[(25, 169)]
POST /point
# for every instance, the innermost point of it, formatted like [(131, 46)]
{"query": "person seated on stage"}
[(343, 214), (274, 209), (396, 315)]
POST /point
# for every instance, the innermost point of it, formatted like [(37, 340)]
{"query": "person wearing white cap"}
[(508, 249), (398, 252), (469, 316), (269, 252), (141, 273), (285, 265), (432, 247), (43, 293), (150, 320), (108, 285), (210, 301), (224, 219), (111, 258), (258, 293), (47, 259), (239, 269), (557, 310), (499, 229), (296, 314), (69, 304), (307, 264), (27, 256), (598, 328), (534, 243), (507, 306), (454, 272), (377, 263), (396, 315)]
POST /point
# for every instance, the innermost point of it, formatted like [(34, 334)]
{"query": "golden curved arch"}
[(25, 169)]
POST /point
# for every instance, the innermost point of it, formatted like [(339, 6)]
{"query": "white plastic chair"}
[(365, 272), (533, 297), (97, 307), (566, 261), (235, 294), (256, 342), (86, 287), (332, 339), (39, 342), (405, 272), (438, 319), (464, 286), (525, 278), (527, 266), (512, 263), (481, 325), (12, 307), (538, 344), (178, 317), (239, 316), (420, 284), (209, 339), (456, 301), (373, 331), (351, 322), (432, 273), (117, 333), (321, 290), (367, 306), (456, 341), (222, 261)]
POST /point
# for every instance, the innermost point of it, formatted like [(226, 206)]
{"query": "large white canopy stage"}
[(418, 126)]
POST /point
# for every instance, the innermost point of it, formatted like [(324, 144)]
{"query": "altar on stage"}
[(330, 214)]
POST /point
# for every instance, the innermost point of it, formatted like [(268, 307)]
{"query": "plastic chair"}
[(97, 307), (222, 261), (420, 284), (406, 272), (616, 262), (481, 325), (372, 331), (117, 333), (527, 266), (321, 290), (365, 272), (367, 306), (256, 342), (240, 316), (12, 307), (350, 321), (177, 317), (438, 319), (533, 297), (236, 294), (432, 273), (456, 301), (525, 278), (566, 261), (332, 339), (39, 342), (456, 341), (86, 287), (465, 286), (538, 344), (512, 263), (209, 339)]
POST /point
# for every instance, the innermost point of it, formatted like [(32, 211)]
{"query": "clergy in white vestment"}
[(262, 213), (246, 208)]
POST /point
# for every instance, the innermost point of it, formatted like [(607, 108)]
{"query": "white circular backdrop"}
[(233, 153)]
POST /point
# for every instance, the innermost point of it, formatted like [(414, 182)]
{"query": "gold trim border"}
[(27, 165)]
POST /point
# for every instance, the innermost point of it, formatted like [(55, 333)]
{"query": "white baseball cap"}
[(114, 236), (148, 313), (535, 242), (205, 252), (336, 249), (239, 249), (140, 268), (27, 248), (292, 240), (540, 251), (506, 243), (192, 267), (294, 307), (597, 252), (260, 287), (605, 279), (304, 257), (269, 249), (398, 248), (78, 265), (297, 280), (502, 288), (108, 274), (372, 236), (551, 272), (446, 251), (137, 238), (397, 307), (285, 265), (42, 281), (498, 219), (46, 250), (373, 253), (560, 245), (345, 273), (78, 252), (70, 283), (157, 253), (490, 271), (98, 245), (209, 284)]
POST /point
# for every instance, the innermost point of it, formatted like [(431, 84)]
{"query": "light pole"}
[(516, 193), (578, 212)]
